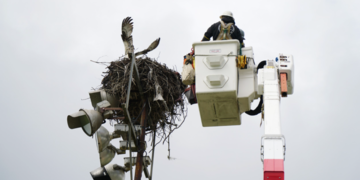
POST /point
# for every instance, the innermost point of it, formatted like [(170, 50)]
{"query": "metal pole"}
[(152, 156), (141, 149), (129, 145)]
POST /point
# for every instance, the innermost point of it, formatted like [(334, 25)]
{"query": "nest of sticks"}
[(162, 87)]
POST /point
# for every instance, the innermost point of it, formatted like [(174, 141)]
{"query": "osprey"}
[(127, 28)]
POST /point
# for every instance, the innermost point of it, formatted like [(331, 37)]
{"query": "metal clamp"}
[(271, 136)]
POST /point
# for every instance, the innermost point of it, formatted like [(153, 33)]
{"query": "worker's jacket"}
[(214, 31)]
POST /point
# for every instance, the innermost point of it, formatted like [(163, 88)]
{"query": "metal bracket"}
[(102, 110), (271, 136)]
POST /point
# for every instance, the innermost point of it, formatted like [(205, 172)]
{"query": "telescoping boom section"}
[(275, 80), (225, 88)]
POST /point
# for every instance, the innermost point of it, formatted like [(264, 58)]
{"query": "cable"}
[(257, 110)]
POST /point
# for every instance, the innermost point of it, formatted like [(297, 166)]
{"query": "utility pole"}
[(141, 149)]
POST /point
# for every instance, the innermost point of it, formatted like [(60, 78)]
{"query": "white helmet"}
[(227, 13)]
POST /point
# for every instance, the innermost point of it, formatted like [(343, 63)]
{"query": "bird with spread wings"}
[(127, 28)]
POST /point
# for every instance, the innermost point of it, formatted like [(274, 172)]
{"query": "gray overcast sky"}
[(45, 71)]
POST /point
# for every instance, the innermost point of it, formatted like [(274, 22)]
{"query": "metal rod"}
[(126, 106), (152, 156), (137, 78), (141, 146), (131, 126), (112, 108), (129, 145), (130, 79), (141, 149)]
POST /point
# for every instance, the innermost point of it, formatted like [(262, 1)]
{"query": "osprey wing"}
[(127, 27), (152, 46)]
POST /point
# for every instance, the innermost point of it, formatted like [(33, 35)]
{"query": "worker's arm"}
[(205, 38), (237, 35), (210, 32)]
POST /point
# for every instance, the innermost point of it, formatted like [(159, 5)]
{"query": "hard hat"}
[(227, 13)]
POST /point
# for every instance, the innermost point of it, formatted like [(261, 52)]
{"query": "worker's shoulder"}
[(238, 30), (236, 27), (215, 24)]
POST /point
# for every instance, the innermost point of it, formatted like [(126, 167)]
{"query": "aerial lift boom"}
[(273, 86)]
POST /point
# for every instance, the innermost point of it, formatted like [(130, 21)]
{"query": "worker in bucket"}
[(225, 29)]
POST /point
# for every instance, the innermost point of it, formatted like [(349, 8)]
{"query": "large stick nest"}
[(161, 85)]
